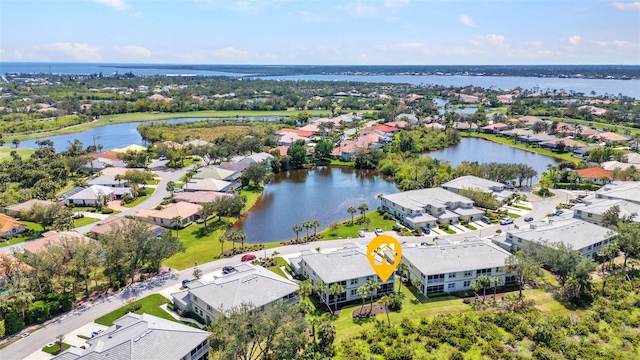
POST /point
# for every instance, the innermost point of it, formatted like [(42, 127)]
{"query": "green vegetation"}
[(505, 141), (5, 152), (33, 231), (147, 192), (84, 221), (345, 230), (513, 215), (56, 348), (150, 305)]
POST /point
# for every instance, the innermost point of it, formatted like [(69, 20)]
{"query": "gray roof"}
[(249, 284), (472, 254), (344, 264), (473, 182), (209, 184), (106, 180), (623, 190), (233, 166), (599, 206), (94, 192), (71, 192), (419, 199), (140, 337), (577, 233)]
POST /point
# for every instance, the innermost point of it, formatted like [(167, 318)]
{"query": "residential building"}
[(478, 183), (451, 267), (254, 158), (495, 128), (143, 337), (53, 238), (10, 226), (217, 173), (100, 164), (172, 215), (583, 236), (111, 222), (108, 181), (10, 266), (92, 195), (132, 147), (429, 207), (384, 129), (348, 267), (248, 284), (465, 126), (596, 174), (18, 210), (196, 143), (198, 197), (210, 184), (621, 190), (610, 137), (592, 209), (233, 166)]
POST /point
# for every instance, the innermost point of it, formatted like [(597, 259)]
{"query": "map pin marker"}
[(384, 254)]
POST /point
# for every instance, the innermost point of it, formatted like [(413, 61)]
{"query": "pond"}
[(484, 151), (464, 110), (322, 193)]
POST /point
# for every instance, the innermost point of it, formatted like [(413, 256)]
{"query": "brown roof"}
[(300, 133), (112, 221), (528, 119), (52, 238), (199, 197), (28, 205), (595, 173), (611, 136), (113, 171), (10, 265), (182, 209), (495, 126), (7, 223), (109, 154), (283, 149)]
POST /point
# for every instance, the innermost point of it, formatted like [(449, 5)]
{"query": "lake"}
[(118, 135), (484, 151), (322, 193)]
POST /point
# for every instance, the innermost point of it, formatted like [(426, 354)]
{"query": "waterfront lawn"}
[(344, 231), (84, 221), (505, 141), (5, 152), (150, 305)]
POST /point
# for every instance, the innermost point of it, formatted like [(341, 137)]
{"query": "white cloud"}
[(229, 53), (614, 43), (626, 5), (574, 40), (135, 52), (489, 39), (75, 51), (114, 4), (466, 20)]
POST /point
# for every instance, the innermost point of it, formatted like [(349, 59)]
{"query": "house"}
[(111, 222), (300, 133), (210, 185), (196, 143), (495, 128), (429, 207), (217, 173), (469, 99), (172, 215), (198, 197), (449, 267), (400, 124), (109, 154), (348, 267), (580, 235), (610, 137), (101, 163), (282, 150), (586, 132), (477, 183), (10, 266), (565, 143), (117, 171), (93, 194), (234, 166), (597, 174), (19, 210), (10, 226), (385, 129), (108, 181), (410, 118), (583, 152), (633, 158), (620, 190), (52, 238), (505, 99), (612, 165), (254, 158), (248, 284), (465, 126), (143, 337), (528, 120), (132, 147), (289, 139), (592, 209), (435, 126)]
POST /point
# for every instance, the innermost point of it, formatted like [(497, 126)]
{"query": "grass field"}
[(84, 221), (55, 349), (141, 117), (16, 240), (147, 191), (509, 142), (343, 231), (150, 305), (5, 152)]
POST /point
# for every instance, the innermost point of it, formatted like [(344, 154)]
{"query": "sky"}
[(358, 32)]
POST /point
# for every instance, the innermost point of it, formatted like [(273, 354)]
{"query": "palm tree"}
[(363, 209), (307, 224), (171, 186), (222, 239), (336, 289), (315, 224), (380, 198), (373, 286), (233, 236), (417, 283), (402, 270), (386, 301), (363, 292), (351, 210), (305, 289), (296, 229), (496, 280), (23, 299), (484, 281), (187, 178), (241, 235), (177, 222), (319, 288)]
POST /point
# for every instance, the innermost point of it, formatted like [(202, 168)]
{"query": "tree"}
[(402, 270), (243, 333), (242, 235), (417, 283), (351, 210), (373, 286), (305, 289), (207, 210), (628, 239), (315, 224), (581, 276), (15, 143), (323, 149), (222, 239), (256, 172), (363, 209), (297, 155), (176, 221), (22, 299), (307, 225), (296, 229), (611, 217), (386, 301), (525, 266), (59, 342), (161, 249), (230, 206), (482, 282), (336, 289), (560, 258), (171, 186), (363, 292), (496, 280)]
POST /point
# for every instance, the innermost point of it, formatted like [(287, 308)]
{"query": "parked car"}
[(424, 244), (96, 333), (228, 269), (378, 231), (506, 221), (361, 233), (528, 218), (579, 200), (162, 158), (426, 230), (557, 212), (185, 282), (248, 257), (486, 220)]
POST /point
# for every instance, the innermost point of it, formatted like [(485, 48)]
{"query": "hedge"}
[(43, 308), (578, 186)]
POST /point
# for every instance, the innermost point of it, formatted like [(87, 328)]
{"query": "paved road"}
[(78, 318)]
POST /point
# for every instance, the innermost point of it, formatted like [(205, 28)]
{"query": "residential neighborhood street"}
[(77, 318)]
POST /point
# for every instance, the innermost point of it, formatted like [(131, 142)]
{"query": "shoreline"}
[(488, 137)]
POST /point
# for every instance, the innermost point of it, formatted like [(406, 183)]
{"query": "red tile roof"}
[(495, 126), (595, 173), (301, 133), (7, 223), (383, 128), (109, 154)]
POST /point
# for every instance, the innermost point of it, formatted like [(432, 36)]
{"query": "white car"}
[(361, 233), (506, 221), (378, 231)]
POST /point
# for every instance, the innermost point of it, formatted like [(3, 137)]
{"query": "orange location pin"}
[(388, 249)]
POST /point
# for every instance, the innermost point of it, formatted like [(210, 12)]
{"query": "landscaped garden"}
[(150, 305)]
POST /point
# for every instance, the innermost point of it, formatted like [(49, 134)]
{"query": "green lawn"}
[(513, 215), (471, 227), (84, 221), (153, 182), (509, 142), (55, 349), (595, 124), (5, 152), (344, 231), (521, 207), (150, 305), (16, 240), (140, 199)]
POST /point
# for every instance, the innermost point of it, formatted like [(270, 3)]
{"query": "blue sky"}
[(321, 32)]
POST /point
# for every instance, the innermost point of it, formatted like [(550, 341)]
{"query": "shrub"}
[(444, 226), (107, 210), (396, 227), (13, 322), (134, 307)]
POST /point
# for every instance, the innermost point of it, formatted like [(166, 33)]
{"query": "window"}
[(343, 283), (467, 273), (435, 289), (209, 307), (435, 278), (589, 215), (483, 272), (497, 269), (519, 240), (452, 275), (467, 283), (451, 286), (354, 281), (353, 292)]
